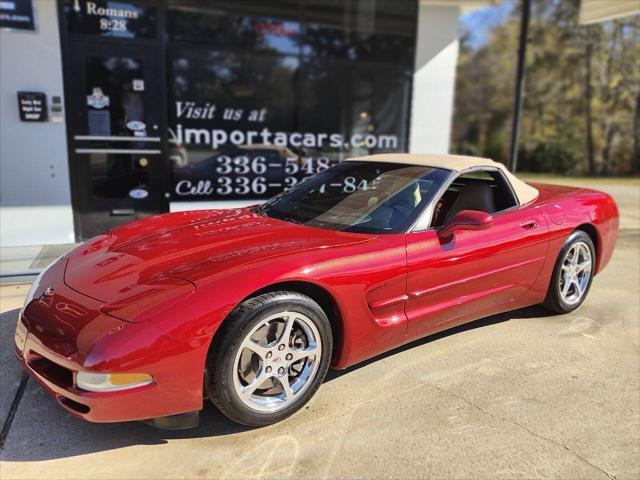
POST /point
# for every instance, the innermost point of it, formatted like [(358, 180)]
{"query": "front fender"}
[(356, 276)]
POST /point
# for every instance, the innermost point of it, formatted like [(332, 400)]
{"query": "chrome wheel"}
[(575, 273), (277, 361)]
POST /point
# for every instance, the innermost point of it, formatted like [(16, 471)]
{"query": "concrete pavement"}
[(519, 395)]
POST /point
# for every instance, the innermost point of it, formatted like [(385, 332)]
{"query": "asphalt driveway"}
[(518, 395)]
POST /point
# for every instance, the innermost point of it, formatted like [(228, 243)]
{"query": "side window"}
[(484, 190)]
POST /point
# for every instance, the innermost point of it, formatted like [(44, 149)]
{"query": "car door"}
[(475, 270)]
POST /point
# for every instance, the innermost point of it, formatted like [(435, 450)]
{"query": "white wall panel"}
[(434, 78), (35, 198)]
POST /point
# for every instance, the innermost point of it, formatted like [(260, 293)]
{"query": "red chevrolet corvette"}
[(250, 307)]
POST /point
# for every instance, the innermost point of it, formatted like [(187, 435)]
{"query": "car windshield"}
[(360, 196)]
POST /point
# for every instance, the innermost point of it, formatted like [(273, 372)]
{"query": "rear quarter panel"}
[(568, 208)]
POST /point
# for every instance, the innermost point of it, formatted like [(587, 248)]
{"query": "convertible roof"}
[(458, 163)]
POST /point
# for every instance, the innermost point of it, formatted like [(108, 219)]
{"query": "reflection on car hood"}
[(189, 246)]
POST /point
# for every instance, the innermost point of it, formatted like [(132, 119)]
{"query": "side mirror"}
[(466, 220)]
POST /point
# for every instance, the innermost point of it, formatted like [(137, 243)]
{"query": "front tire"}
[(269, 358), (572, 274)]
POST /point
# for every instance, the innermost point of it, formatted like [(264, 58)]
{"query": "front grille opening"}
[(51, 371), (72, 405)]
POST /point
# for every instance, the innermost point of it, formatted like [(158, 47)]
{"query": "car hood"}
[(175, 251)]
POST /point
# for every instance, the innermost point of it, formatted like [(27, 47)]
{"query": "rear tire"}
[(572, 274), (269, 358)]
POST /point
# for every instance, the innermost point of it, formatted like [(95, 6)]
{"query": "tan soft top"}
[(457, 163)]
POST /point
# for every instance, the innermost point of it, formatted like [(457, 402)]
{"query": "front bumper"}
[(56, 373), (52, 347)]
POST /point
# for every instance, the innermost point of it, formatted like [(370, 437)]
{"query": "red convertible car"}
[(250, 307)]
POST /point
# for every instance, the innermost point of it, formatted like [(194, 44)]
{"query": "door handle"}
[(529, 224), (122, 212)]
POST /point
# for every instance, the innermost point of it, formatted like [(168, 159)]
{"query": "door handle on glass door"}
[(122, 212), (529, 224)]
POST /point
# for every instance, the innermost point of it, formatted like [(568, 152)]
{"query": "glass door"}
[(117, 147)]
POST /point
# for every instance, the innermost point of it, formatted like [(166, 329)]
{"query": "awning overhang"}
[(595, 11)]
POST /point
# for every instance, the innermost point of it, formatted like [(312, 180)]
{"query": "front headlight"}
[(32, 290), (111, 382)]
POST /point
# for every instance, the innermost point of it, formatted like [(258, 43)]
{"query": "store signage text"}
[(17, 15), (110, 19), (32, 106), (107, 21), (187, 188), (248, 160), (95, 9)]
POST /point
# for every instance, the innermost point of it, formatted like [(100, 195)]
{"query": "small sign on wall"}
[(17, 15), (32, 106)]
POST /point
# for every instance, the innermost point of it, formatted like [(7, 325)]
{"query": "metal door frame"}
[(150, 48)]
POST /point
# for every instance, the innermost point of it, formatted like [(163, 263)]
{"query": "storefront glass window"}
[(263, 95)]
